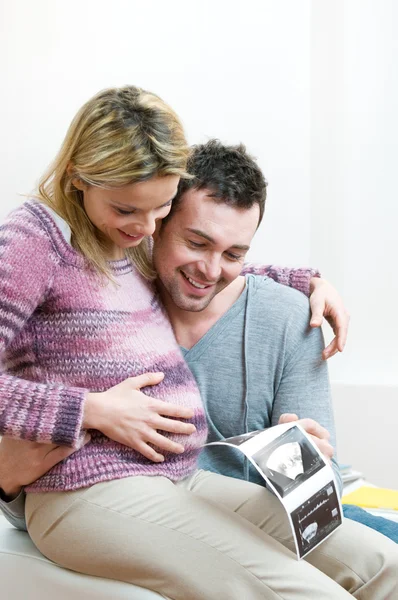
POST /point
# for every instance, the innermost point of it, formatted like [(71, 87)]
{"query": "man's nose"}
[(211, 268)]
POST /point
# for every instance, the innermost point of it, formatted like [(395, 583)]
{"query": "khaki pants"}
[(206, 537)]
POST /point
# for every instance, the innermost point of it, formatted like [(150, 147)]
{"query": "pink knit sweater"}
[(64, 332)]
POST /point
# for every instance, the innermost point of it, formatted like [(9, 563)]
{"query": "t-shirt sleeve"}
[(304, 387), (43, 412), (298, 279)]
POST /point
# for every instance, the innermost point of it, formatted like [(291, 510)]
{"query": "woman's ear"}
[(76, 181)]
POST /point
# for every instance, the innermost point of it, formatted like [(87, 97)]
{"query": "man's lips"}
[(199, 287)]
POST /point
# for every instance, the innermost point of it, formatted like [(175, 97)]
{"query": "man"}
[(248, 343)]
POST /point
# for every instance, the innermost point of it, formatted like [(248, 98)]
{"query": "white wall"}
[(354, 144), (354, 147), (237, 71), (366, 430)]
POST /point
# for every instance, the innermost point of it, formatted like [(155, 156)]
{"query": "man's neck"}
[(189, 327)]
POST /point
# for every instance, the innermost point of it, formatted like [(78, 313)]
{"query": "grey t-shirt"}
[(260, 360)]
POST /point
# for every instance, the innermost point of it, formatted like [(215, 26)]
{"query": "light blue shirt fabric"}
[(260, 360)]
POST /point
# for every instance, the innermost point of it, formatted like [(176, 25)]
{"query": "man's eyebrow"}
[(128, 206), (207, 237), (201, 234)]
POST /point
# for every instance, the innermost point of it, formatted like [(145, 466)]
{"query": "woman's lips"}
[(132, 238)]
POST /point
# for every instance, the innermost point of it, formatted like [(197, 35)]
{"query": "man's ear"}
[(76, 181)]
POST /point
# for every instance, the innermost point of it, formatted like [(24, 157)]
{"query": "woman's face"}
[(127, 214)]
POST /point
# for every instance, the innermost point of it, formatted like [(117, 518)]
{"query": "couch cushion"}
[(26, 573)]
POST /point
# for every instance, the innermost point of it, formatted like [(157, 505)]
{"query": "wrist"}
[(9, 492), (9, 488), (92, 411)]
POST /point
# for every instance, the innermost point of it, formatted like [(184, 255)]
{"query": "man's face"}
[(201, 249)]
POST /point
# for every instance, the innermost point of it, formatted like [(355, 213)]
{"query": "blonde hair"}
[(120, 136)]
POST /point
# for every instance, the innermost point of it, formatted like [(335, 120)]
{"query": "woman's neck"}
[(115, 253)]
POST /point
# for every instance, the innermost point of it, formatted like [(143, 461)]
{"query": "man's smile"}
[(199, 287)]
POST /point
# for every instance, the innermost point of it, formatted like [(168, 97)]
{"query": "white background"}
[(310, 87)]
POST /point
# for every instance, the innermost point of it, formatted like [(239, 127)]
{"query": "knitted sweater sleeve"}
[(295, 278), (43, 412)]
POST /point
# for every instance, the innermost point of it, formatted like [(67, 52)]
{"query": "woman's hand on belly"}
[(128, 416)]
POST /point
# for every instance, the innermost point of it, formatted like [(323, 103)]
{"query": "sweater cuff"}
[(48, 413), (67, 430)]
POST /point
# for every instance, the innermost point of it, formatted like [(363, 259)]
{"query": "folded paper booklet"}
[(372, 497), (296, 471)]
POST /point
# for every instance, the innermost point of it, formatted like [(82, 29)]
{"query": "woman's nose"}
[(147, 226)]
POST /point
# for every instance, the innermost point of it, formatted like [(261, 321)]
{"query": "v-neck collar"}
[(218, 328)]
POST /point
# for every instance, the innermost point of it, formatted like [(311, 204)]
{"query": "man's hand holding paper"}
[(320, 436)]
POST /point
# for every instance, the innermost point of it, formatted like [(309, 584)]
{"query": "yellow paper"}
[(370, 497)]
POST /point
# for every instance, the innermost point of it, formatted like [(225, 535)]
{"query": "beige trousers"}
[(206, 537)]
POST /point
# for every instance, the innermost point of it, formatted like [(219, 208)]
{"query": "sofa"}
[(25, 574)]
